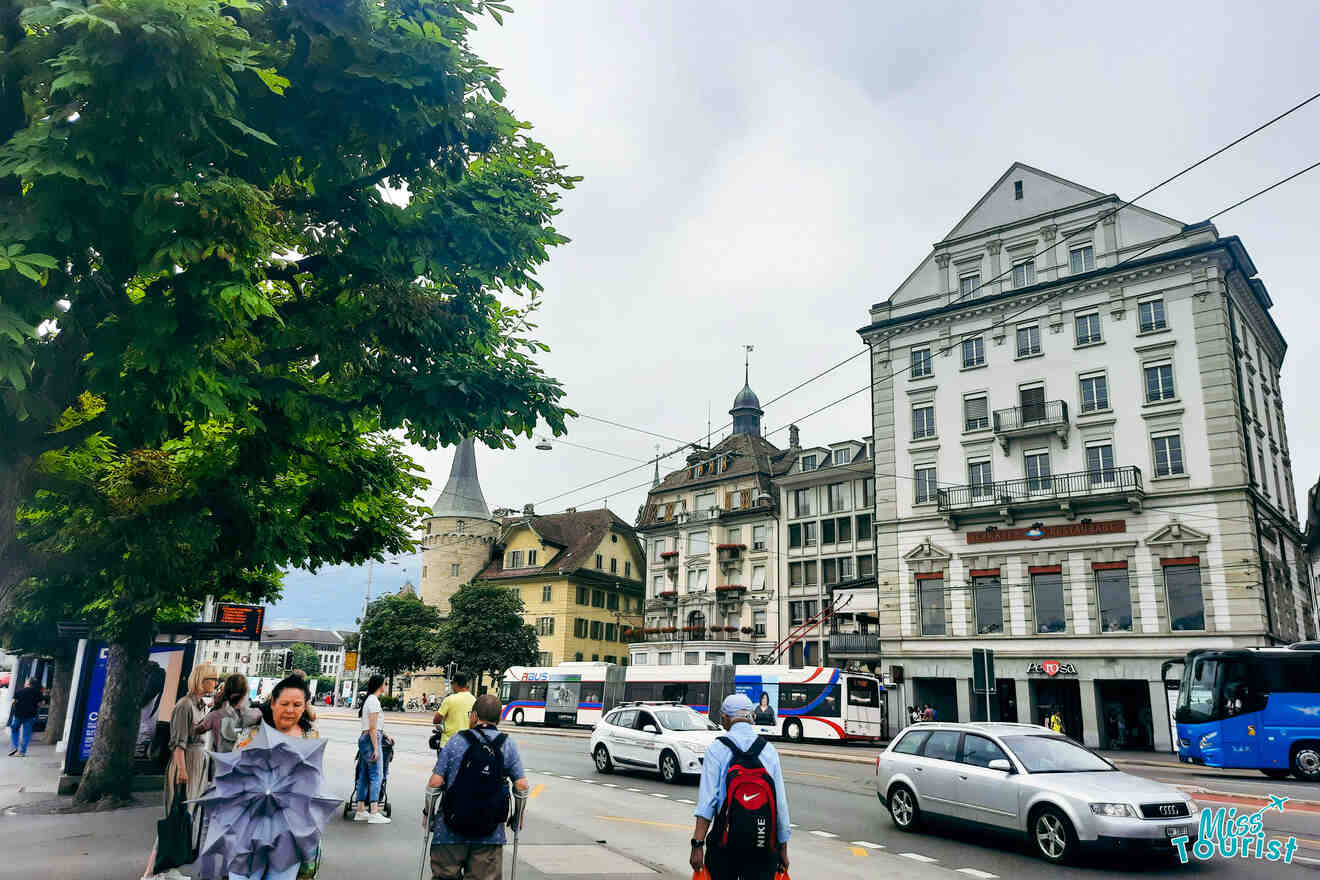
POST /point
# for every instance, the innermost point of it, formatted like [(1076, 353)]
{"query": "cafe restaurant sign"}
[(1051, 668), (1036, 533)]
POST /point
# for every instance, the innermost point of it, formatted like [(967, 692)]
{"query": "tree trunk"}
[(391, 683), (61, 681), (109, 770)]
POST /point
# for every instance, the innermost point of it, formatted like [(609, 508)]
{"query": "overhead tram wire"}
[(1113, 212), (997, 323)]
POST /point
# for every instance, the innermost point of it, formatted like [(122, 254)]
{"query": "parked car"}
[(667, 737), (1026, 779)]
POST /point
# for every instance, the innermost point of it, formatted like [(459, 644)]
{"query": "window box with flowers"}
[(667, 595), (747, 630), (669, 629), (730, 551), (731, 589)]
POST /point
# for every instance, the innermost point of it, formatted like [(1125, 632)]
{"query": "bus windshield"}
[(1196, 699)]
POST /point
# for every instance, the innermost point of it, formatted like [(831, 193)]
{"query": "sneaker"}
[(360, 816), (377, 819), (13, 752), (175, 874)]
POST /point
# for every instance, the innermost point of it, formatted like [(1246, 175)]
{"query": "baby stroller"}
[(360, 770)]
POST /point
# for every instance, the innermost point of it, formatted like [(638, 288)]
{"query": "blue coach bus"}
[(1254, 709)]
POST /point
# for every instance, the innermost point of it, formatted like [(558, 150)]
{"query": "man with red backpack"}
[(742, 806)]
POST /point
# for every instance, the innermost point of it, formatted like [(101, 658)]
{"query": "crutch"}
[(516, 822), (432, 798)]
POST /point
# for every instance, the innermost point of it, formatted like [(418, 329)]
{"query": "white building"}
[(1088, 471), (275, 643), (229, 655)]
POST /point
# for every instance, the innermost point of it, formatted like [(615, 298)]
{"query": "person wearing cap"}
[(736, 714)]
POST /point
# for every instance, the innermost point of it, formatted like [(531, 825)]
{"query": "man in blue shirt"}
[(475, 858), (736, 715)]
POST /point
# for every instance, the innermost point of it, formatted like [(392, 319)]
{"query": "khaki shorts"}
[(451, 861)]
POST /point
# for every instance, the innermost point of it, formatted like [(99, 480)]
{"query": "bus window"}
[(1234, 689), (1196, 702), (640, 690), (506, 692), (689, 693), (863, 692), (1291, 675), (821, 700), (535, 691)]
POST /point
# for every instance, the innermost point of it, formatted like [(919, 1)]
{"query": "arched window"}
[(459, 527), (696, 620)]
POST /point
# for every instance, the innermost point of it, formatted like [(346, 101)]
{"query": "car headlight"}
[(693, 745), (1116, 811), (1193, 807), (1206, 740)]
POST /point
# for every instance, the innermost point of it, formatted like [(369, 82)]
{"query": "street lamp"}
[(543, 444)]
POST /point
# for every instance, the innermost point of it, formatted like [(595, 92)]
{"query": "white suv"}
[(668, 737)]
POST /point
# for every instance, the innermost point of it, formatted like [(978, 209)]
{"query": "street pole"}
[(361, 627)]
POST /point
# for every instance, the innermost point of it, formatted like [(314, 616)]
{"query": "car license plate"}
[(1172, 831)]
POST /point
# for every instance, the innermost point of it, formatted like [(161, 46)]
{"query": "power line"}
[(628, 427), (1113, 212)]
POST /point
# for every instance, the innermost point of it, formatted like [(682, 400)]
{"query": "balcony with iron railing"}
[(1032, 419), (854, 644), (1009, 499)]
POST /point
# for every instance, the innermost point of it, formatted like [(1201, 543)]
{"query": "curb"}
[(1233, 797)]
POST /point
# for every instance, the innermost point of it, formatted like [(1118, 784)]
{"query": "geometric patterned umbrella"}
[(267, 807)]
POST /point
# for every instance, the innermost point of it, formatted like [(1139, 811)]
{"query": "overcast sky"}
[(761, 173)]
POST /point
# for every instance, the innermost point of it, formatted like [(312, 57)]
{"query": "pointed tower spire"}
[(655, 481), (747, 410), (462, 494)]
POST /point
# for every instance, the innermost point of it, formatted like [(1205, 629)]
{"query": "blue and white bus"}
[(815, 702), (1254, 709)]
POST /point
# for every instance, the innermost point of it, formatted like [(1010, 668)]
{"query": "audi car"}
[(1025, 779), (665, 737)]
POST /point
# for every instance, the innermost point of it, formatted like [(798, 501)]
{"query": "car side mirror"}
[(651, 728), (1000, 764)]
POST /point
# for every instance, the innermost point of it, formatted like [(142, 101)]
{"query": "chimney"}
[(528, 511), (793, 436)]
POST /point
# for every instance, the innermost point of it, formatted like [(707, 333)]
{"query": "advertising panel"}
[(763, 691)]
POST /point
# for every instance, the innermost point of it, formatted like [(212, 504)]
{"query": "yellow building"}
[(580, 576)]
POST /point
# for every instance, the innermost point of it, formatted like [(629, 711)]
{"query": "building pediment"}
[(1176, 533), (927, 551)]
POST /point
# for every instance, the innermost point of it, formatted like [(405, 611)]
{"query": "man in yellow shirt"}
[(455, 709)]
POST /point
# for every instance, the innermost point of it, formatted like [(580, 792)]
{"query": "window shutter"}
[(976, 408), (746, 498), (728, 501)]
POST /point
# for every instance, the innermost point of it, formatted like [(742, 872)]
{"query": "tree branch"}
[(70, 436)]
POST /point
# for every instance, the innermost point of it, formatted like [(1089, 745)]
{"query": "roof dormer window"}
[(1017, 190)]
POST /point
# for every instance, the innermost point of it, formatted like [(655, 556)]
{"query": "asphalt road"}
[(833, 803)]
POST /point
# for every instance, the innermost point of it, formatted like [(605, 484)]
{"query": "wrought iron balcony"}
[(867, 644), (1048, 417), (1064, 492)]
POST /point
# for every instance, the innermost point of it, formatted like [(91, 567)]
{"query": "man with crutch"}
[(468, 799)]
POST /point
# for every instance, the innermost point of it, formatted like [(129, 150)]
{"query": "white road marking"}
[(792, 825), (638, 790), (658, 794), (824, 834), (587, 781), (686, 801), (568, 777), (917, 857), (867, 844), (609, 785), (979, 875)]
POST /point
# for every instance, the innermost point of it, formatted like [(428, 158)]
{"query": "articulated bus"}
[(816, 702), (1254, 709)]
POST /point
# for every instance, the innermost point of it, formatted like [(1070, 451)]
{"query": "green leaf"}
[(272, 79), (250, 131)]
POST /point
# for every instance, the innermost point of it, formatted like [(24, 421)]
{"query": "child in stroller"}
[(360, 771)]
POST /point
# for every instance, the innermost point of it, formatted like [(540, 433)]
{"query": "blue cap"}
[(736, 706)]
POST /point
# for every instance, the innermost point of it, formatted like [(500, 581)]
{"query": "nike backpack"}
[(476, 800), (746, 822)]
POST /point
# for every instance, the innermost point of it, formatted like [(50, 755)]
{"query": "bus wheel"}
[(1275, 772), (1306, 761), (518, 717), (793, 731)]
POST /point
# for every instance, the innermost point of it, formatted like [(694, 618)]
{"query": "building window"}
[(795, 574), (1024, 273), (969, 284), (827, 531), (845, 529), (546, 592), (1182, 587), (1114, 597), (865, 565), (759, 534), (1168, 455), (976, 413), (657, 548), (1037, 468), (733, 535), (627, 569), (808, 462), (1081, 259), (846, 568), (868, 492), (864, 527), (1159, 382), (973, 352), (657, 584), (809, 534), (988, 603), (612, 602), (794, 536), (1028, 340), (583, 596), (979, 479), (758, 577), (922, 365), (842, 456), (809, 575), (531, 557), (698, 543), (611, 634), (705, 502), (930, 593), (829, 571), (1095, 392), (453, 570), (515, 559), (614, 565), (1150, 316), (697, 580), (758, 623), (837, 497), (802, 502), (924, 481), (1017, 190), (580, 629), (923, 422), (1088, 328), (545, 626), (423, 572), (597, 630), (597, 598), (1047, 587), (1100, 463)]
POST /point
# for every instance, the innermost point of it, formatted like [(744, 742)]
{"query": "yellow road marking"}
[(858, 851), (809, 773), (536, 791), (642, 822)]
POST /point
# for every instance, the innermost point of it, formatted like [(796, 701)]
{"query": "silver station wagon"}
[(1026, 779)]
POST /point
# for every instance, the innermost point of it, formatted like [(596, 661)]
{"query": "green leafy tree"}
[(485, 632), (242, 248), (399, 634), (304, 657)]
